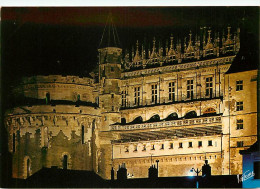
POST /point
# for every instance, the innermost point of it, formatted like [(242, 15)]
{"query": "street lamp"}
[(197, 171)]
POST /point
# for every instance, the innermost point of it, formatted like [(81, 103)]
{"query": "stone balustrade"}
[(172, 123)]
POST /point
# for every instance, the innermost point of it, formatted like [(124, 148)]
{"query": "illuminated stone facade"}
[(176, 105)]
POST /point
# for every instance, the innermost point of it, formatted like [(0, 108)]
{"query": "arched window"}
[(82, 134), (137, 120), (28, 167), (65, 162), (48, 98), (191, 114), (172, 116), (209, 111), (154, 118)]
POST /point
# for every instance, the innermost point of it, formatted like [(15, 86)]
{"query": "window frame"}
[(123, 97), (240, 124), (171, 89), (137, 96), (209, 86), (240, 144), (239, 85), (199, 144), (239, 106), (190, 88), (154, 88)]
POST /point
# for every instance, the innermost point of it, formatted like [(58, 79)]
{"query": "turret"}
[(110, 58)]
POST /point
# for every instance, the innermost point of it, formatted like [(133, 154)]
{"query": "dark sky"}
[(65, 40)]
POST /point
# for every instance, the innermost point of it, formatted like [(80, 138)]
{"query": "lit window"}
[(209, 86), (240, 143), (239, 106), (137, 95), (190, 89), (180, 145), (210, 143), (190, 144), (171, 91), (200, 144), (239, 85), (240, 124), (154, 94)]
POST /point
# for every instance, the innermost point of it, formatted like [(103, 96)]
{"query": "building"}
[(179, 104)]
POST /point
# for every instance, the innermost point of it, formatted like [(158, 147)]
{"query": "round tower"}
[(52, 123), (110, 59), (109, 74)]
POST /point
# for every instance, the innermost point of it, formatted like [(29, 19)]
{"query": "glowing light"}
[(191, 173)]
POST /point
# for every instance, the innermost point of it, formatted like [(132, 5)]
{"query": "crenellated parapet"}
[(200, 47), (58, 79), (55, 89)]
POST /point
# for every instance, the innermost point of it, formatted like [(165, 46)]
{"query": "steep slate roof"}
[(248, 55)]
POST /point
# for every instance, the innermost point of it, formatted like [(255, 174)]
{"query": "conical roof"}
[(110, 36)]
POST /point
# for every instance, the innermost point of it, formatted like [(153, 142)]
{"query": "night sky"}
[(65, 40)]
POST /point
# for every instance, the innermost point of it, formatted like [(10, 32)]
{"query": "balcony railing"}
[(172, 123), (177, 99)]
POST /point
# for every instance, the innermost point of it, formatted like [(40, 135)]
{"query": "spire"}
[(154, 44), (137, 57), (137, 51), (110, 36), (228, 35), (154, 54), (209, 38), (190, 37), (171, 46)]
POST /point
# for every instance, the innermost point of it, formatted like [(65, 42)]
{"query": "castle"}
[(179, 104)]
